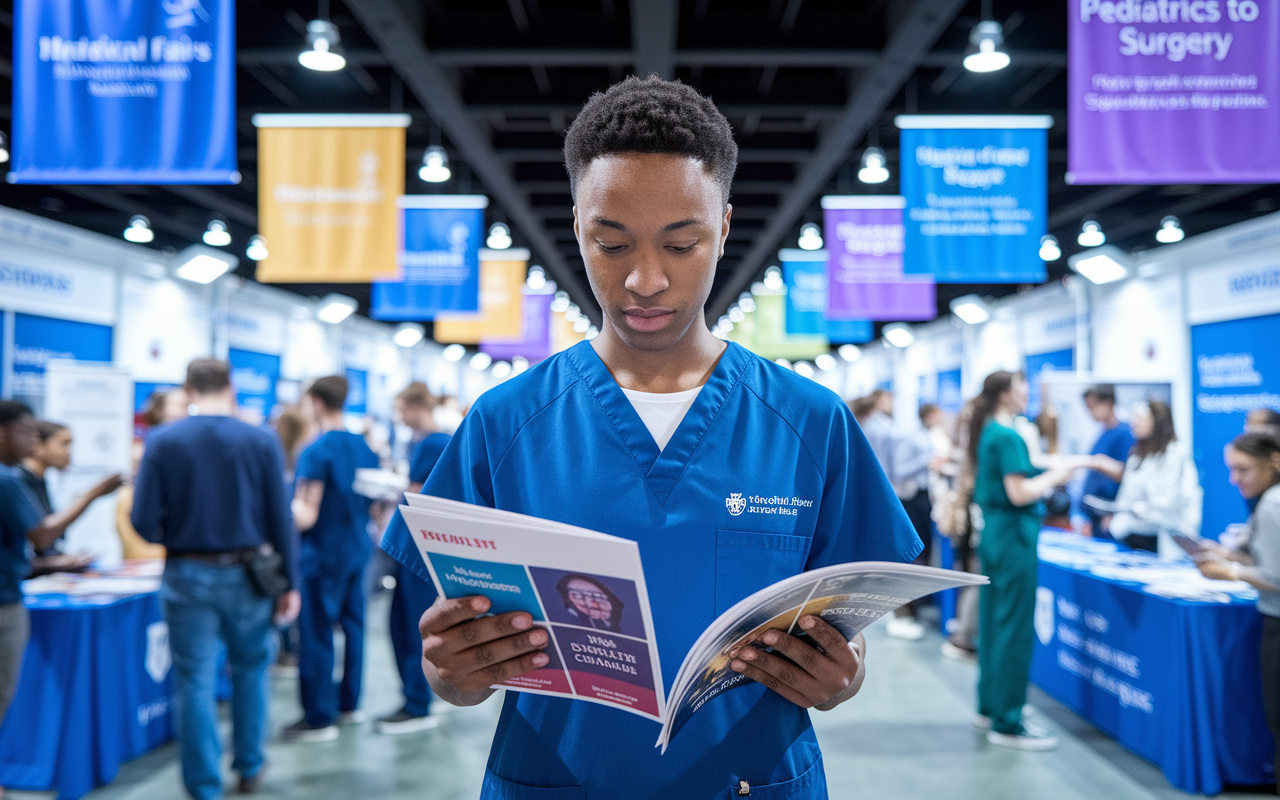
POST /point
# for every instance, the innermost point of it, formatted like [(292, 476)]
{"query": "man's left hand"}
[(806, 675)]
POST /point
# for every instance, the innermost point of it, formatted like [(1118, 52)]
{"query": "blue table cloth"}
[(1175, 681), (96, 690)]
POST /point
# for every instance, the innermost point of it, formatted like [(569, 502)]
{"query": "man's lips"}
[(647, 320)]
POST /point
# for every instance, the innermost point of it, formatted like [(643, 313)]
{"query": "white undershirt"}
[(662, 413)]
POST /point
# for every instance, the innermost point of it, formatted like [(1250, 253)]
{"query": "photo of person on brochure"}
[(590, 603), (588, 600)]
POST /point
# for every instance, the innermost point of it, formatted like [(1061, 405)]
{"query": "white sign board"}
[(39, 283), (1248, 286), (164, 324)]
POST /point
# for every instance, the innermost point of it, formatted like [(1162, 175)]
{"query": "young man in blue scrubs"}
[(334, 523), (657, 431), (1115, 441)]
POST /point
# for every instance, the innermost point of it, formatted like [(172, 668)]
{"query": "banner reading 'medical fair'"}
[(112, 92), (866, 239), (327, 189), (977, 197), (440, 259), (1173, 92)]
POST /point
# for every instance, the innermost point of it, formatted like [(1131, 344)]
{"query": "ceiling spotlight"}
[(501, 370), (782, 362), (454, 353), (325, 55), (874, 166), (537, 278), (217, 234), (810, 237), (1170, 231), (849, 352), (334, 308), (1049, 248), (825, 362), (481, 361), (519, 364), (804, 369), (1091, 234), (972, 309), (139, 230), (582, 325), (1104, 265), (592, 332), (572, 313), (257, 249), (408, 334), (773, 279), (560, 302), (898, 334), (747, 302), (724, 324), (986, 55), (736, 315), (4, 148), (499, 237), (435, 166)]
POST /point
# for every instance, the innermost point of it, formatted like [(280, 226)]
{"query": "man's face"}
[(651, 228), (589, 600), (1098, 409), (18, 439)]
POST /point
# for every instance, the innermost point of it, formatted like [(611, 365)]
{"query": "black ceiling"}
[(806, 84)]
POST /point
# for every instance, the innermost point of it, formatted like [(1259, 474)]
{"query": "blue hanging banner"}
[(805, 272), (977, 197), (254, 377), (439, 261), (112, 92)]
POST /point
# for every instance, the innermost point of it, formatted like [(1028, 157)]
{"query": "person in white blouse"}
[(1160, 489)]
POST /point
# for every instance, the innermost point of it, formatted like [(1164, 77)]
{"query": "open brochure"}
[(587, 590)]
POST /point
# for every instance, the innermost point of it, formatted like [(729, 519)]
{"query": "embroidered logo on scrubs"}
[(736, 503)]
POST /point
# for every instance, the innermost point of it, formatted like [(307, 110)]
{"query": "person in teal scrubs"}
[(729, 471), (1008, 489)]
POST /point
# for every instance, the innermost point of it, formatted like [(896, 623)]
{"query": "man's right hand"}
[(107, 486), (465, 656)]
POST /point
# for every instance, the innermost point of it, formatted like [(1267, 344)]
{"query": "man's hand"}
[(1219, 570), (463, 656), (107, 486), (287, 608), (808, 676)]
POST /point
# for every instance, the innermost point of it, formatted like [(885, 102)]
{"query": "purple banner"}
[(1170, 91), (864, 267), (535, 341)]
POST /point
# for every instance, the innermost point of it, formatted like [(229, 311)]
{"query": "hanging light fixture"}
[(849, 352), (217, 234), (560, 302), (139, 230), (499, 237), (334, 308), (454, 353), (825, 362), (4, 148), (257, 249), (324, 54), (1170, 231), (874, 166), (986, 55), (747, 302), (898, 334), (435, 165), (773, 279), (810, 237), (408, 334), (537, 278), (1091, 234), (481, 361), (1050, 250), (501, 370)]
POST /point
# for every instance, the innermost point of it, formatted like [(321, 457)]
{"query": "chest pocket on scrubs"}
[(748, 561)]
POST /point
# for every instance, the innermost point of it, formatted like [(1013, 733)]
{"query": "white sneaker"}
[(905, 628), (984, 723), (356, 717), (1031, 738), (958, 653)]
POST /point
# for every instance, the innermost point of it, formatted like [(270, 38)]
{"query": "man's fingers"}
[(801, 682), (827, 637), (444, 613), (476, 632), (505, 670), (770, 681), (485, 655)]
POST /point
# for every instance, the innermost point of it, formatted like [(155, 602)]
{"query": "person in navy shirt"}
[(334, 522), (659, 432), (1116, 441), (211, 490)]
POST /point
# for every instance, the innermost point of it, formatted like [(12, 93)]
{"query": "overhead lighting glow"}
[(1170, 231), (1091, 234), (874, 166), (825, 362), (810, 237), (898, 334), (481, 361), (1104, 265), (257, 249), (537, 278), (971, 308), (746, 302), (782, 362), (217, 235), (139, 230), (324, 55), (560, 302), (773, 279), (519, 364), (334, 308), (804, 369), (435, 166), (499, 237), (408, 334), (736, 315), (849, 352), (4, 149), (202, 268), (1050, 250), (454, 353), (582, 325), (501, 370), (592, 332), (987, 36)]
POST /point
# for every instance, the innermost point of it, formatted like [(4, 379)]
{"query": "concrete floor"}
[(906, 736)]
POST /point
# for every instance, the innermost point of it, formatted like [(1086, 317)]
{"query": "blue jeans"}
[(409, 602), (205, 603), (329, 600)]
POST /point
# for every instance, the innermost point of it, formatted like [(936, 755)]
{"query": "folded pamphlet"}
[(587, 590)]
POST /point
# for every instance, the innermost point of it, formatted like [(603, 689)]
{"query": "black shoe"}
[(301, 731), (404, 722), (251, 785)]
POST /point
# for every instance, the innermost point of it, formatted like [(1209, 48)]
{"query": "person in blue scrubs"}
[(334, 523), (658, 431), (1116, 441)]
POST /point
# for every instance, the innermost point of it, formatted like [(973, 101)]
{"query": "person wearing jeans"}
[(211, 489)]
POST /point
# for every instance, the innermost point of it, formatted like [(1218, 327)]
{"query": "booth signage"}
[(357, 391), (40, 340), (111, 92), (501, 316), (976, 197), (254, 377), (1244, 286), (43, 284), (1173, 92), (439, 263), (865, 277), (1058, 360), (805, 272), (327, 189), (253, 328)]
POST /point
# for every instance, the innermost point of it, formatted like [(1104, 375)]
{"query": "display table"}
[(1173, 679), (96, 690)]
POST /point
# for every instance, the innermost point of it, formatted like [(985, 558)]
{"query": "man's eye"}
[(675, 248), (610, 248)]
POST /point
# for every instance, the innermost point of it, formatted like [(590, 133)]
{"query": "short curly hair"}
[(652, 115)]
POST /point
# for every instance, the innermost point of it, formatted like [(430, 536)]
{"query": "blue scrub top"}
[(1115, 442), (562, 442), (339, 543), (425, 455), (18, 514)]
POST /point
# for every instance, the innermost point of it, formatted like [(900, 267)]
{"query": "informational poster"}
[(950, 396), (501, 316), (439, 265), (1173, 92), (1235, 368), (327, 189), (865, 279), (805, 273), (164, 324), (535, 337), (976, 190), (254, 377), (1059, 360), (37, 341), (357, 391), (111, 92)]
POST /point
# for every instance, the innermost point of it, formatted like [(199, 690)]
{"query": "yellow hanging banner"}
[(501, 317), (563, 336), (327, 189)]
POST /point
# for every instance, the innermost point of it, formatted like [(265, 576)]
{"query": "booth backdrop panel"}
[(1235, 368), (1059, 360), (254, 376), (38, 340), (1174, 681), (357, 391)]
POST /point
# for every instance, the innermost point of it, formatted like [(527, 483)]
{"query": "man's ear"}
[(724, 231), (576, 233)]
